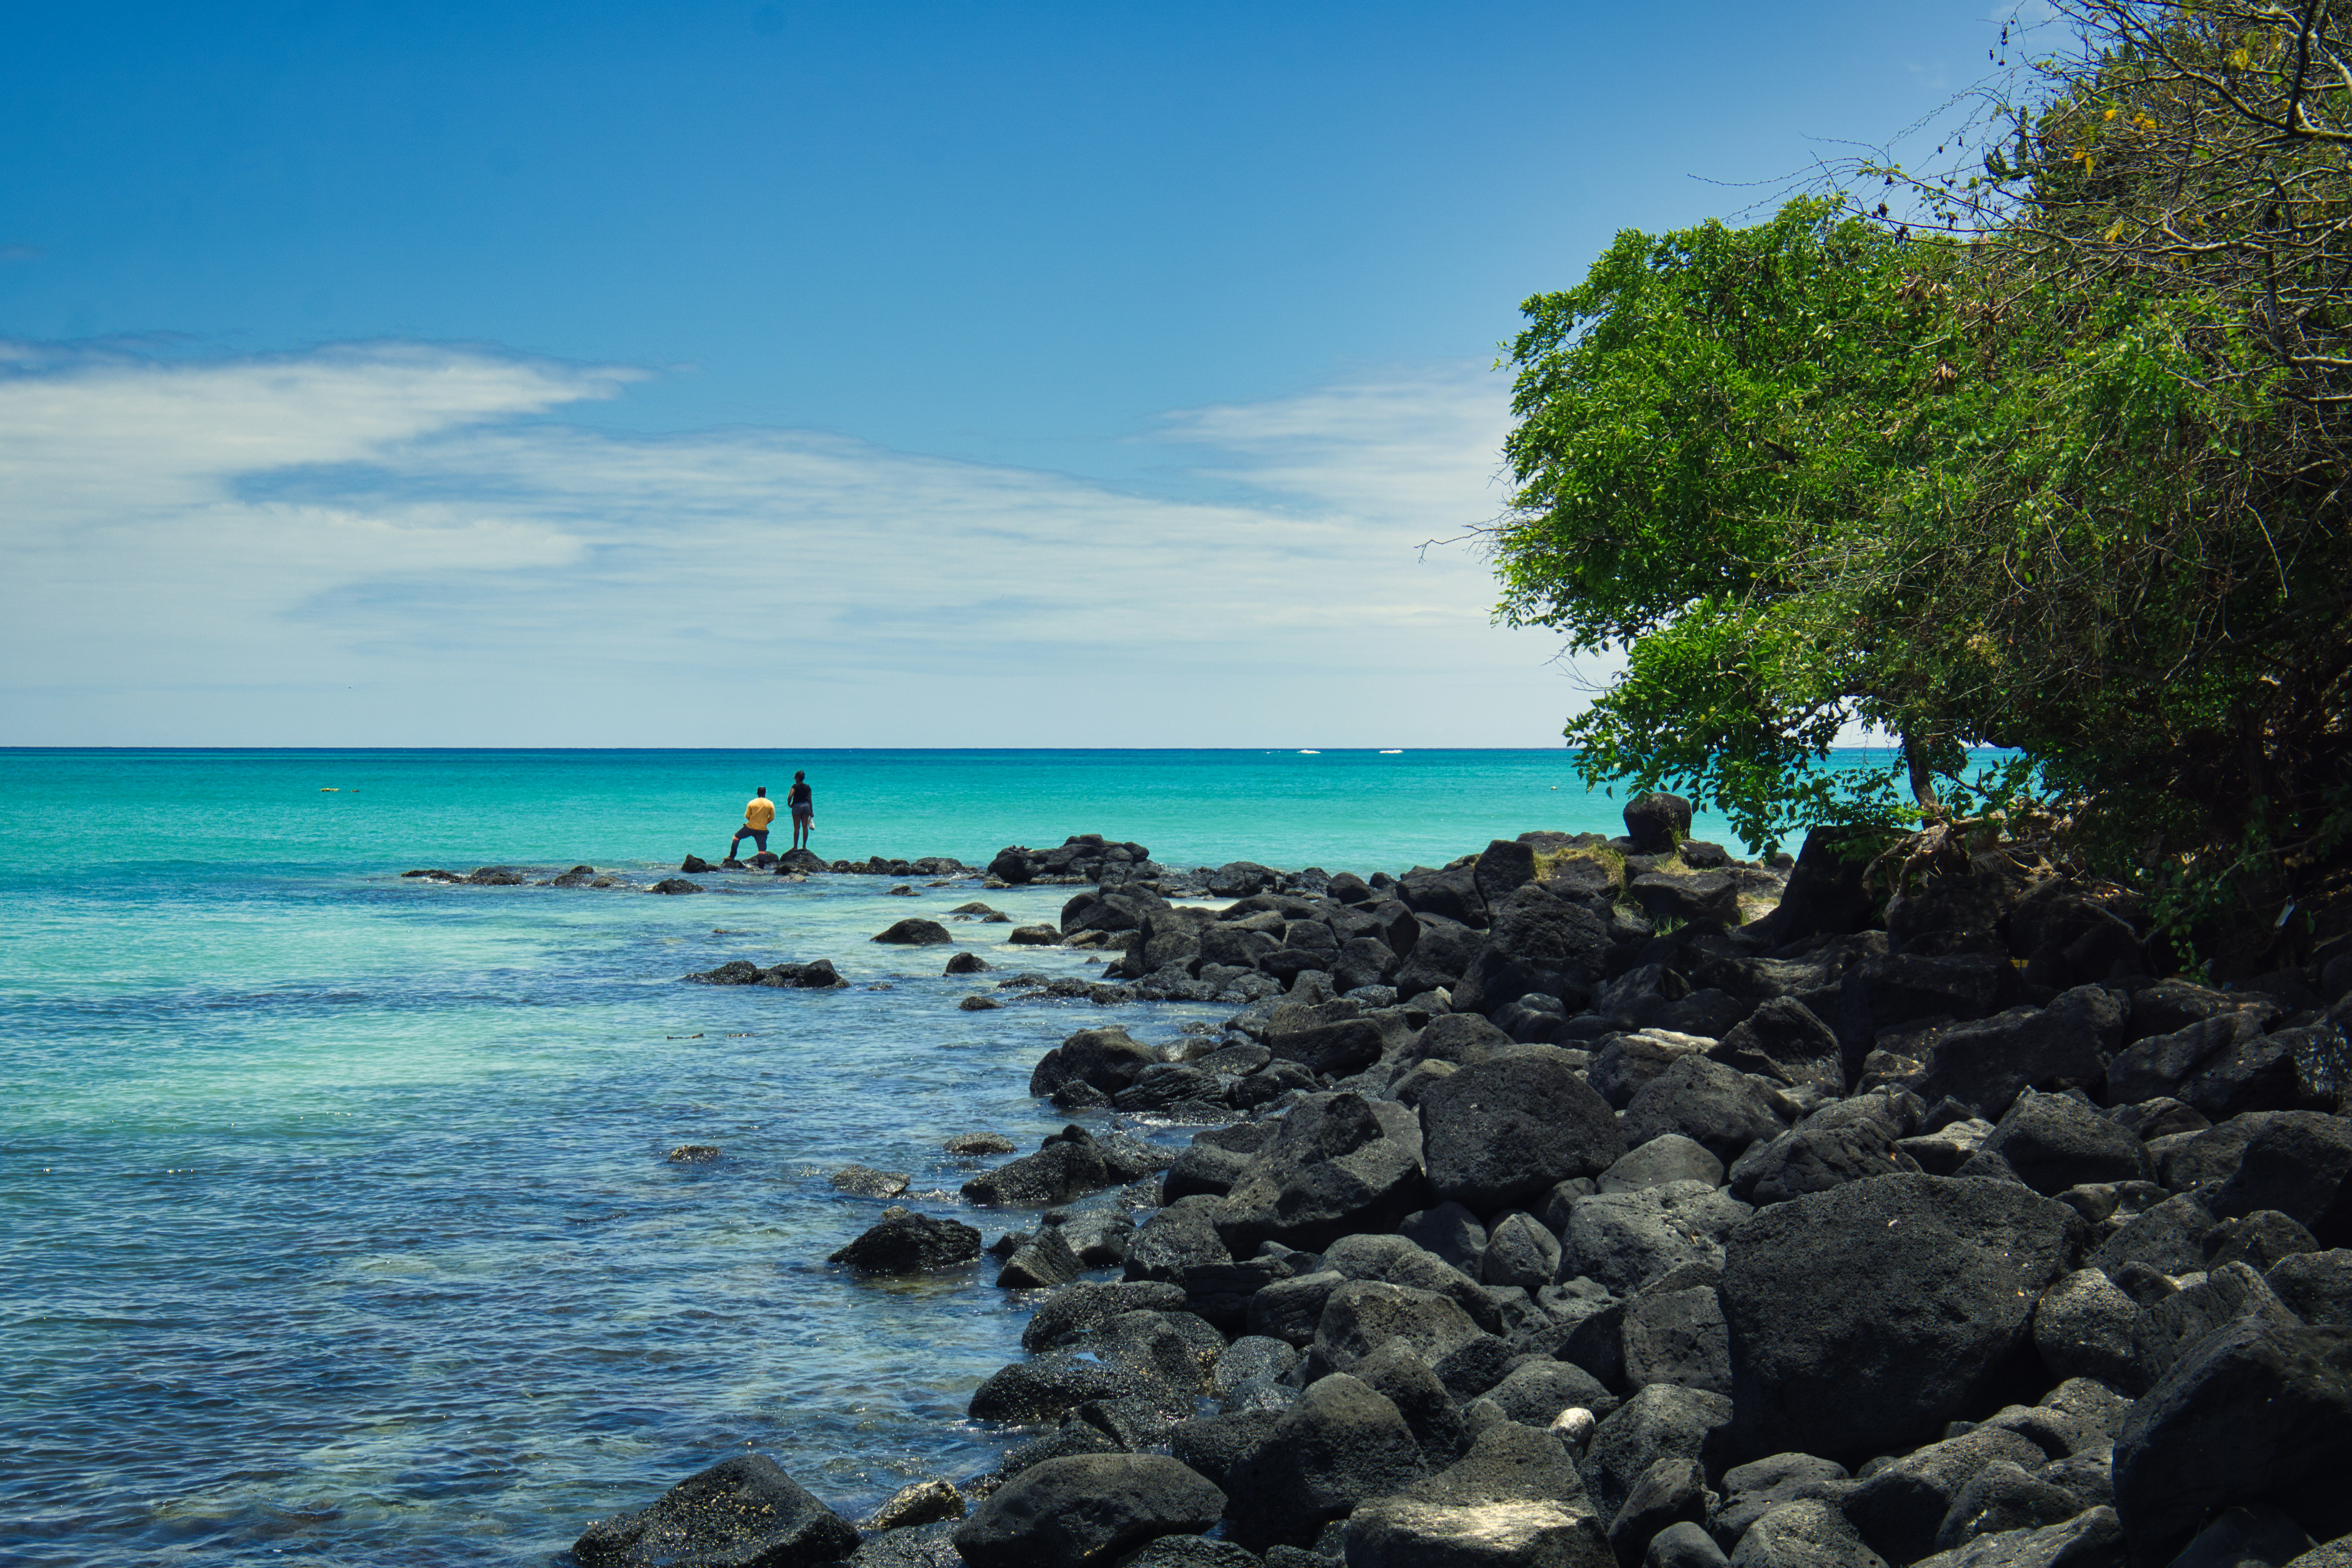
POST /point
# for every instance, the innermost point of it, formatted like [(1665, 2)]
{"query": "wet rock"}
[(1864, 1318), (980, 1144), (904, 1242), (1086, 1509), (1071, 1165), (746, 1509), (865, 1182), (694, 1154), (1044, 1260), (915, 932), (922, 1502), (674, 885), (966, 964)]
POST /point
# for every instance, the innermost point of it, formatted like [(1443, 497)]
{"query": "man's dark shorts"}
[(758, 835)]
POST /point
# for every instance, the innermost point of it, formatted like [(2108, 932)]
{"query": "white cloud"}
[(386, 545)]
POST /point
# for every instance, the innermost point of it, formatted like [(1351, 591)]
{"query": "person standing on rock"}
[(803, 808), (758, 812)]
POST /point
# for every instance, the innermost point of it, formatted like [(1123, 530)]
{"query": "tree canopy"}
[(2057, 465)]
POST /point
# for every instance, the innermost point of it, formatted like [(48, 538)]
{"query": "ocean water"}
[(339, 1228)]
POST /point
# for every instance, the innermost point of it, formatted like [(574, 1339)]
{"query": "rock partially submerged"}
[(741, 1510), (905, 1242)]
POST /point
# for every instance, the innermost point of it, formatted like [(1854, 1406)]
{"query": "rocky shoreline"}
[(1611, 1203)]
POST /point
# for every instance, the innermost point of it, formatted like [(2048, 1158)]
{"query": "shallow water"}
[(341, 1228)]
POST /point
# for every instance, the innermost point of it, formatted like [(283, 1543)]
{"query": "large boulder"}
[(1071, 1165), (1111, 1060), (1338, 1445), (1442, 953), (1784, 1039), (1864, 1318), (1088, 1509), (2300, 1163), (1827, 891), (1986, 1065), (742, 1510), (1660, 1422), (1721, 1108), (2158, 1065), (1451, 893), (1813, 1159), (1537, 943), (1361, 1316), (2053, 1142), (1507, 1131), (2256, 1412), (1657, 822), (1625, 1240), (1341, 1164)]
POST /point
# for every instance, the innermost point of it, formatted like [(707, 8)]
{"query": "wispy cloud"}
[(389, 544)]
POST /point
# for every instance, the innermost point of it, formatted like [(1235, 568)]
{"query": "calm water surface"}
[(339, 1228)]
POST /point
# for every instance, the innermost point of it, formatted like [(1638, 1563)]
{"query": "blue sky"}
[(829, 375)]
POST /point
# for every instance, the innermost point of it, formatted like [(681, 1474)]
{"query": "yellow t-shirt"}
[(759, 812)]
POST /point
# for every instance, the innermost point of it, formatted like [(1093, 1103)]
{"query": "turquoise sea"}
[(339, 1225)]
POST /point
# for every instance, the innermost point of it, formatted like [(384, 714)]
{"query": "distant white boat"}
[(1397, 752), (1308, 751)]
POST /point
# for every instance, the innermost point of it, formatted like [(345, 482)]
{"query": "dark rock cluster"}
[(1559, 1206)]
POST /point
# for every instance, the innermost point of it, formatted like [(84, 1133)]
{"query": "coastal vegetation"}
[(2038, 446)]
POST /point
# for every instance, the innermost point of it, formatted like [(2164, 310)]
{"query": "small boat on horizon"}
[(1394, 752), (1308, 751)]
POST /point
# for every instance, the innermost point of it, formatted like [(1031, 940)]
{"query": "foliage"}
[(2058, 466)]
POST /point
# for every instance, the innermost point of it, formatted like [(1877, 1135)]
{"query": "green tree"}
[(2057, 467)]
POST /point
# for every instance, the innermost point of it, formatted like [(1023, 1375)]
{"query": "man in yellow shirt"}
[(758, 812)]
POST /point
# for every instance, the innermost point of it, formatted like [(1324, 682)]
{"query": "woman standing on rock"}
[(802, 804)]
